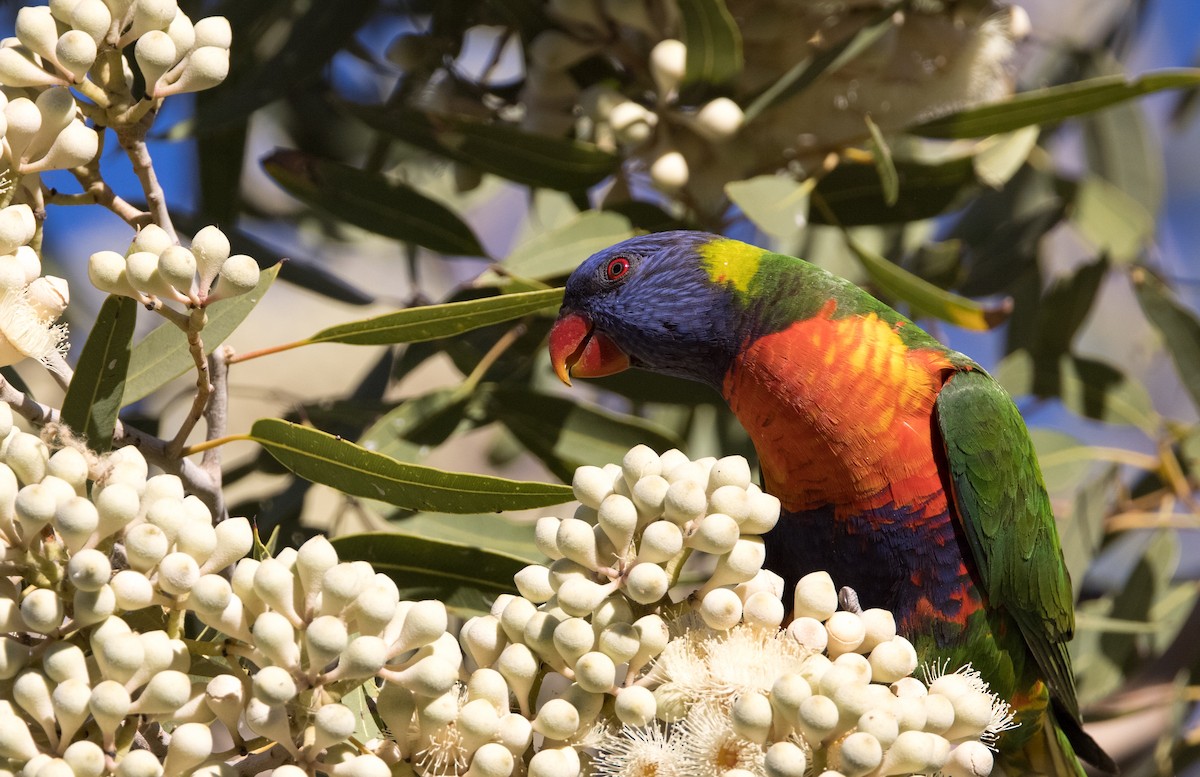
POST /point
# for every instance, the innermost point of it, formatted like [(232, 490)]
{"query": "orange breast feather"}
[(840, 411)]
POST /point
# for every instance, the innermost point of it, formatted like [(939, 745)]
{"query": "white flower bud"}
[(788, 692), (579, 596), (211, 595), (545, 537), (653, 636), (324, 640), (970, 759), (668, 62), (858, 754), (29, 261), (815, 597), (572, 638), (139, 763), (120, 656), (731, 500), (15, 740), (554, 762), (62, 661), (116, 505), (729, 471), (751, 716), (362, 766), (36, 30), (614, 609), (907, 687), (274, 685), (141, 267), (639, 462), (191, 744), (492, 759), (557, 720), (89, 570), (152, 239), (213, 31), (763, 610), (649, 495), (916, 751), (177, 573), (92, 17), (483, 638), (591, 485), (576, 541), (669, 171), (846, 632), (721, 609), (225, 696), (363, 657), (893, 660), (211, 249), (70, 701), (109, 704), (939, 713), (314, 558), (660, 541), (618, 519), (785, 759), (515, 615), (234, 540), (176, 270), (276, 639), (28, 457), (648, 583), (132, 589), (632, 123), (685, 501), (595, 672), (93, 606), (17, 224), (376, 605), (76, 53), (715, 534), (145, 546), (880, 627), (268, 721), (13, 657), (166, 692), (196, 539), (85, 758), (719, 120), (534, 583), (182, 33), (818, 718), (275, 584), (515, 733), (42, 610), (972, 715), (48, 296), (519, 667), (740, 564), (334, 723), (31, 692), (619, 641)]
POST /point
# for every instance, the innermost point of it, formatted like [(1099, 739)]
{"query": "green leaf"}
[(1065, 463), (494, 532), (1111, 220), (1000, 157), (94, 396), (430, 322), (776, 204), (830, 60), (464, 576), (556, 253), (501, 149), (566, 434), (1086, 387), (372, 202), (926, 298), (855, 194), (1178, 325), (1124, 150), (889, 179), (163, 354), (332, 461), (714, 45), (426, 419), (1053, 104)]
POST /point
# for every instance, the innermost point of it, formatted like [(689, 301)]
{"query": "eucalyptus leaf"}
[(1111, 220), (430, 322), (565, 434), (554, 254), (714, 46), (926, 298), (1053, 104), (889, 179), (332, 461), (163, 354), (855, 195), (1002, 156), (464, 577), (1178, 325), (372, 202), (494, 532), (776, 204), (94, 397)]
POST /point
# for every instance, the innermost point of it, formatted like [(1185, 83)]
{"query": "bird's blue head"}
[(648, 302)]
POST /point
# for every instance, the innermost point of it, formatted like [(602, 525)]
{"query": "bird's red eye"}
[(617, 268)]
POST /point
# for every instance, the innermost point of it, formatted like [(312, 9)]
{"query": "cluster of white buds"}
[(155, 267), (30, 303), (78, 44), (46, 132)]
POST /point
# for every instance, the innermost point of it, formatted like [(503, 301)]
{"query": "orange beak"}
[(577, 349)]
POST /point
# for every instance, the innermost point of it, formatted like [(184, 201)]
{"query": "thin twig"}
[(195, 479), (204, 387), (132, 138), (216, 415), (102, 194)]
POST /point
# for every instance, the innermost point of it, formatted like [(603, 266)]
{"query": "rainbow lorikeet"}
[(900, 464)]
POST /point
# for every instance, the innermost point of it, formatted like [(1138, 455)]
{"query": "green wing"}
[(1005, 514)]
